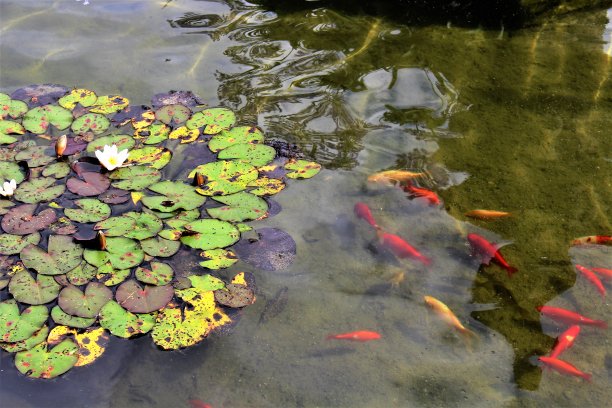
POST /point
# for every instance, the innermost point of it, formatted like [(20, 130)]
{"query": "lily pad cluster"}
[(86, 253)]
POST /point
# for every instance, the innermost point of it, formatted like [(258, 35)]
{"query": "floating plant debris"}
[(88, 237)]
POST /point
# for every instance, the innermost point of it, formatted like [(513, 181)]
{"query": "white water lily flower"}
[(111, 158), (8, 188)]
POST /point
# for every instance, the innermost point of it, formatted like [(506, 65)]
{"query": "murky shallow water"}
[(517, 121)]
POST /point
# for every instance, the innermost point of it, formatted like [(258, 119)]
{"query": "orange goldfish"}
[(592, 277), (593, 239), (401, 248), (487, 214), (195, 403), (394, 175), (420, 192), (448, 316), (489, 251), (363, 211), (606, 273), (361, 335), (564, 367), (565, 341)]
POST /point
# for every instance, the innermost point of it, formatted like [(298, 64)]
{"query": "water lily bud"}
[(60, 145), (198, 179), (101, 240)]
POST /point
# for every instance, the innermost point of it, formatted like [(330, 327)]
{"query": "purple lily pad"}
[(91, 185), (134, 298), (273, 251), (85, 165), (132, 112), (38, 95), (186, 98), (21, 220), (114, 196)]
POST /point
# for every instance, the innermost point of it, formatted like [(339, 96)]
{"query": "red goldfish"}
[(489, 251), (569, 317), (420, 192), (487, 214), (361, 335), (401, 248), (606, 273), (590, 275), (593, 239), (565, 341), (564, 367), (449, 317), (363, 211), (195, 403)]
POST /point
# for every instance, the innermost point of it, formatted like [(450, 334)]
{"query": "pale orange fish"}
[(593, 239), (449, 317), (397, 278), (394, 175), (487, 214)]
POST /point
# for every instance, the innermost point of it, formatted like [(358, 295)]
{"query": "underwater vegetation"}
[(93, 213)]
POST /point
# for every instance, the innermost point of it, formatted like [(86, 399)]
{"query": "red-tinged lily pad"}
[(81, 274), (156, 157), (57, 170), (121, 141), (234, 295), (37, 120), (12, 108), (90, 122), (159, 274), (225, 177), (302, 169), (274, 250), (173, 114), (237, 135), (87, 304), (26, 289), (218, 258), (63, 255), (109, 104), (135, 178), (240, 207), (36, 156), (116, 226), (63, 226), (265, 186), (38, 190), (63, 318), (122, 253), (255, 154), (122, 323), (213, 120), (210, 234), (115, 196), (90, 210), (8, 128), (137, 299), (22, 221), (186, 98), (15, 326), (37, 338), (92, 184), (44, 94), (39, 362), (13, 244), (160, 247), (176, 195), (146, 225), (84, 97)]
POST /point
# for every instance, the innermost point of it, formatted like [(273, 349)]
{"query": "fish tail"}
[(601, 324), (469, 337), (330, 337), (425, 260), (511, 270), (587, 376)]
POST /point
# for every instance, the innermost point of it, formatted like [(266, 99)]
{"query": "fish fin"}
[(469, 337), (501, 244)]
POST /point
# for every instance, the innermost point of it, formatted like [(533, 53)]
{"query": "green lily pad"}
[(240, 207), (156, 157), (13, 108), (84, 304), (135, 178), (225, 177), (136, 299), (237, 135), (206, 282), (37, 120), (90, 210), (173, 114), (122, 323), (121, 141), (39, 362), (93, 184), (266, 186), (26, 289), (17, 327), (8, 128), (63, 255), (81, 274), (38, 190), (213, 120), (37, 338), (5, 206), (58, 170), (110, 276), (90, 122), (11, 171), (83, 96), (176, 195), (36, 156), (156, 133), (255, 154), (146, 225), (122, 253), (21, 220), (183, 217), (210, 234), (13, 244), (160, 247), (159, 274), (109, 104), (218, 259), (63, 318), (171, 235), (302, 169), (116, 226)]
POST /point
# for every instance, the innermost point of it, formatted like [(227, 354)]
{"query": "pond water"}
[(516, 120)]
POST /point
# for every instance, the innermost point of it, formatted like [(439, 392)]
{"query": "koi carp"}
[(401, 248), (564, 367), (565, 341), (363, 211), (420, 192), (449, 317), (593, 239), (360, 335), (592, 277), (569, 317), (487, 214), (488, 251), (397, 176)]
